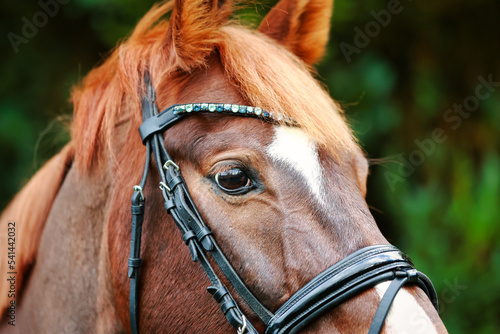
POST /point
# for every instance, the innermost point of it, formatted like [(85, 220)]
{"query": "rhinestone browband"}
[(176, 112), (233, 109)]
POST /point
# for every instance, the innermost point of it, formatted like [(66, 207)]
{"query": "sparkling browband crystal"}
[(232, 109)]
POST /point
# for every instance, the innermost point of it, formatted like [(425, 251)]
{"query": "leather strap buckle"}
[(163, 186), (139, 189), (243, 328), (171, 163)]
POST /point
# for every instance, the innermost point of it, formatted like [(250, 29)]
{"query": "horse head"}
[(284, 202)]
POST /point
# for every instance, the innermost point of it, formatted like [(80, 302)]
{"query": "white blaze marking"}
[(294, 147), (405, 316)]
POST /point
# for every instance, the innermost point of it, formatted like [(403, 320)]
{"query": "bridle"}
[(347, 278)]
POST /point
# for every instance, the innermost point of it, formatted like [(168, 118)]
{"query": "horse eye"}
[(233, 181)]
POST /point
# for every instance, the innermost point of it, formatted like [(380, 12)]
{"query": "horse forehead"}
[(200, 137), (209, 85), (293, 147)]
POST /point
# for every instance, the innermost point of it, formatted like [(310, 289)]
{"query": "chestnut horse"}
[(301, 207)]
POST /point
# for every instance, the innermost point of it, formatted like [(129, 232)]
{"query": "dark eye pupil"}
[(232, 179)]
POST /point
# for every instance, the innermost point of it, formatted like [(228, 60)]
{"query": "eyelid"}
[(226, 166)]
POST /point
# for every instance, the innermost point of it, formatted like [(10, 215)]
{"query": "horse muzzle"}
[(347, 278)]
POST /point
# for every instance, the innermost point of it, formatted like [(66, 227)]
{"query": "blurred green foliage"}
[(443, 209)]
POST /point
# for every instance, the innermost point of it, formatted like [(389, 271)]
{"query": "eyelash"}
[(224, 167)]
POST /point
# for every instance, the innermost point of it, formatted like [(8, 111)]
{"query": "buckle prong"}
[(163, 186), (139, 189), (171, 163), (243, 328)]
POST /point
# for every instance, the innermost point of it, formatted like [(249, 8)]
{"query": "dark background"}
[(435, 185)]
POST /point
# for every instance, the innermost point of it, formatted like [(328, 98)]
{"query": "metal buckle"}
[(163, 186), (139, 189), (171, 163), (243, 328)]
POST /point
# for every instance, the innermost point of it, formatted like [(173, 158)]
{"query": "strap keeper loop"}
[(226, 306), (188, 236), (134, 262), (202, 233), (412, 275), (174, 182), (169, 204), (218, 293), (137, 209)]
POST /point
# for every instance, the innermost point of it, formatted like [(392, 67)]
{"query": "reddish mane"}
[(265, 73)]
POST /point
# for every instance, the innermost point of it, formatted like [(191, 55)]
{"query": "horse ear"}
[(194, 29), (302, 26)]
